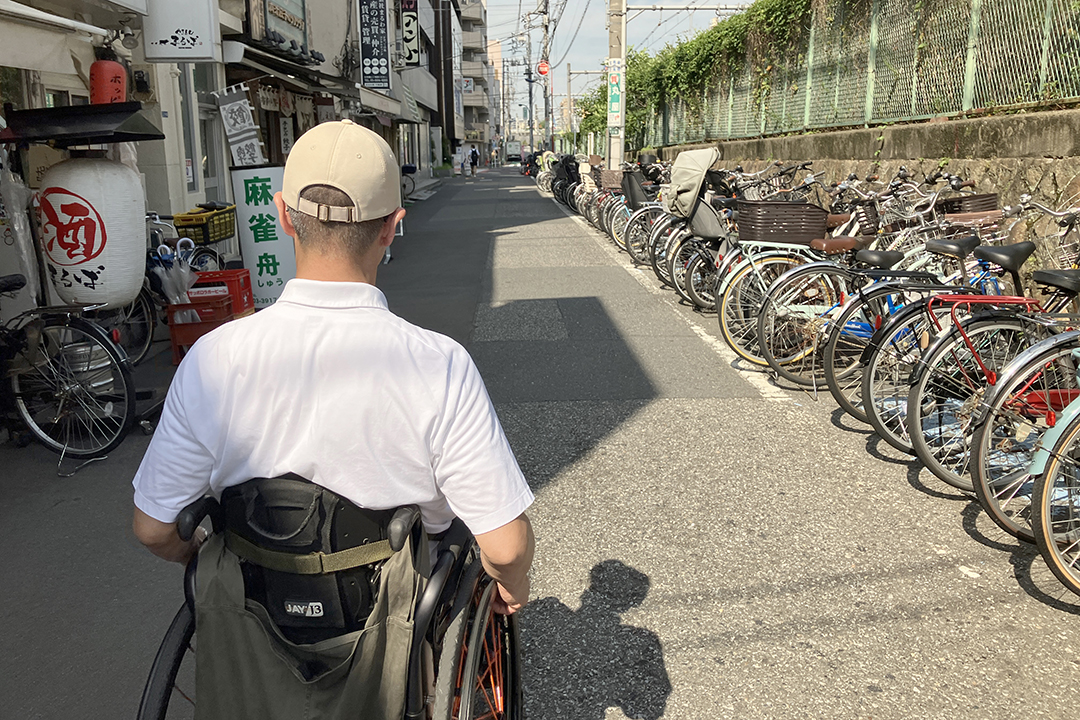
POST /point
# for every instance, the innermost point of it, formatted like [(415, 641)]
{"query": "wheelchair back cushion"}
[(290, 516)]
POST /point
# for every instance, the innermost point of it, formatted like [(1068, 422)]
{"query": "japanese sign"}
[(615, 92), (182, 32), (374, 45), (268, 252), (240, 126), (289, 18), (410, 33), (74, 232), (287, 136)]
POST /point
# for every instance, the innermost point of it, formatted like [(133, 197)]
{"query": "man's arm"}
[(507, 554), (163, 540)]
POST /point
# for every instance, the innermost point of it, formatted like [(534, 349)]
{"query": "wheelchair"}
[(462, 658)]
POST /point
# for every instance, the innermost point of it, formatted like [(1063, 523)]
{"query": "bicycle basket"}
[(206, 226), (969, 203), (780, 222)]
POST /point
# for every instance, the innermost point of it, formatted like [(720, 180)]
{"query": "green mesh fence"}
[(878, 61)]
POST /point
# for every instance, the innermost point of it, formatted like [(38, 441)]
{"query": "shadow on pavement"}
[(578, 663)]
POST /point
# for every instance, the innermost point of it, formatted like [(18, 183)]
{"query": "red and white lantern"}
[(93, 220)]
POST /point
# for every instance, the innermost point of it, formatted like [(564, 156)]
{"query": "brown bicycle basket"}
[(780, 222), (984, 202)]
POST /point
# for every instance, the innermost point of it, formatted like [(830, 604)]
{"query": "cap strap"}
[(327, 213)]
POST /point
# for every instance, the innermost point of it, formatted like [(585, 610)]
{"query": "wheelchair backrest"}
[(279, 527)]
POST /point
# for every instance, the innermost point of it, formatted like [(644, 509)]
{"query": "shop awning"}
[(79, 125)]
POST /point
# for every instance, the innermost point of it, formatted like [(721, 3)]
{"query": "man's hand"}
[(507, 554), (163, 540)]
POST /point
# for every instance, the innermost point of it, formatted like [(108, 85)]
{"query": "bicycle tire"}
[(848, 339), (948, 389), (1056, 509), (794, 317), (887, 372), (76, 364), (619, 219), (408, 187), (1026, 399), (661, 255), (740, 302), (176, 647), (677, 263), (700, 281), (637, 232), (134, 323)]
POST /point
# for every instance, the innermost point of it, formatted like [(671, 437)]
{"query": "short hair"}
[(353, 239)]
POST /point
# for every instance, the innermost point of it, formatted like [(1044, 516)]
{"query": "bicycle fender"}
[(1008, 374)]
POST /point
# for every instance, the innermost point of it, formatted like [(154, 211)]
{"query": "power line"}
[(571, 43), (665, 22)]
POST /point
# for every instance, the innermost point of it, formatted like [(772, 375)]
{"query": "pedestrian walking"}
[(474, 159), (494, 157)]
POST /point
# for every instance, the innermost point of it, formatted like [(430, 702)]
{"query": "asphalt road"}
[(709, 545)]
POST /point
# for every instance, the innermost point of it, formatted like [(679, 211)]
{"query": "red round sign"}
[(543, 68)]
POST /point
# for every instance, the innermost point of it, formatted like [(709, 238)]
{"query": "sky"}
[(585, 23)]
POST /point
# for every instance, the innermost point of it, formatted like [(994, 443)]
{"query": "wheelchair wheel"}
[(479, 671), (170, 688)]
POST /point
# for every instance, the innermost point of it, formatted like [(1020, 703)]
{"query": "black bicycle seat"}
[(11, 283), (1010, 257), (958, 248), (1068, 280), (884, 259)]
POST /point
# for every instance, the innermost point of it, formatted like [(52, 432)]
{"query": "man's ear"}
[(283, 216), (386, 234)]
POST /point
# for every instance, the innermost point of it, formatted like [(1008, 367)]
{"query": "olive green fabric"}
[(246, 669), (687, 175)]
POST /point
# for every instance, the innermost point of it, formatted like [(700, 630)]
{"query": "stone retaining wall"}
[(1036, 153)]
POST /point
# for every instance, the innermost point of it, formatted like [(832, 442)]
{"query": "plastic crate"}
[(780, 222), (206, 226), (212, 313), (235, 284), (984, 202)]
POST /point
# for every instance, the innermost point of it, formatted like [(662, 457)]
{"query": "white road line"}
[(757, 380)]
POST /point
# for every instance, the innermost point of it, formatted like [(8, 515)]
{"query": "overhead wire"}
[(576, 31)]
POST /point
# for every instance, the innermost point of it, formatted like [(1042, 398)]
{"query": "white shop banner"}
[(267, 251), (181, 32)]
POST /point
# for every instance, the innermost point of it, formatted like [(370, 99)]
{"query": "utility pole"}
[(547, 91), (616, 78), (570, 109)]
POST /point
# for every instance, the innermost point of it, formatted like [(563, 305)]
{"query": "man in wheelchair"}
[(370, 544)]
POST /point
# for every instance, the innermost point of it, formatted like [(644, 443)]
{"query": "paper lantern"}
[(108, 82), (93, 220)]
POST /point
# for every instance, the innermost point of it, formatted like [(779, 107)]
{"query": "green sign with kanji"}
[(267, 251)]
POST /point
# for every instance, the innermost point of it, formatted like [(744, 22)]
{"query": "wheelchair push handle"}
[(192, 515), (405, 518)]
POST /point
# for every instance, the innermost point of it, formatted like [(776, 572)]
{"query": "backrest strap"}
[(312, 563)]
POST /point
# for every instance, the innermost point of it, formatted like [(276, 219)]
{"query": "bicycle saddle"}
[(842, 244), (958, 248), (11, 283), (1010, 257), (1068, 280), (883, 259), (835, 221)]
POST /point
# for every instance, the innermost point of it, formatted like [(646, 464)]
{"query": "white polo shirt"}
[(327, 383)]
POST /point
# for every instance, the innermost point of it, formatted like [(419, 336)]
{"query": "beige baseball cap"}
[(352, 159)]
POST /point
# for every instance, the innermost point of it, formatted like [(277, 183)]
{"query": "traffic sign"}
[(543, 68)]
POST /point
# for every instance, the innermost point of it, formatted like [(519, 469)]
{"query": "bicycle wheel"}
[(408, 186), (886, 376), (848, 338), (479, 671), (740, 302), (1027, 399), (170, 688), (134, 325), (637, 232), (949, 390), (661, 255), (795, 317), (700, 281), (75, 394), (206, 259), (1056, 509), (619, 218), (678, 261)]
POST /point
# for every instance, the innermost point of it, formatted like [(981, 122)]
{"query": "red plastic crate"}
[(218, 283), (212, 312)]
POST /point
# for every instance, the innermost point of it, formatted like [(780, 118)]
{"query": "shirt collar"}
[(319, 293)]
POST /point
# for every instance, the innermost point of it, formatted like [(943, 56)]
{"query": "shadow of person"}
[(579, 663)]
